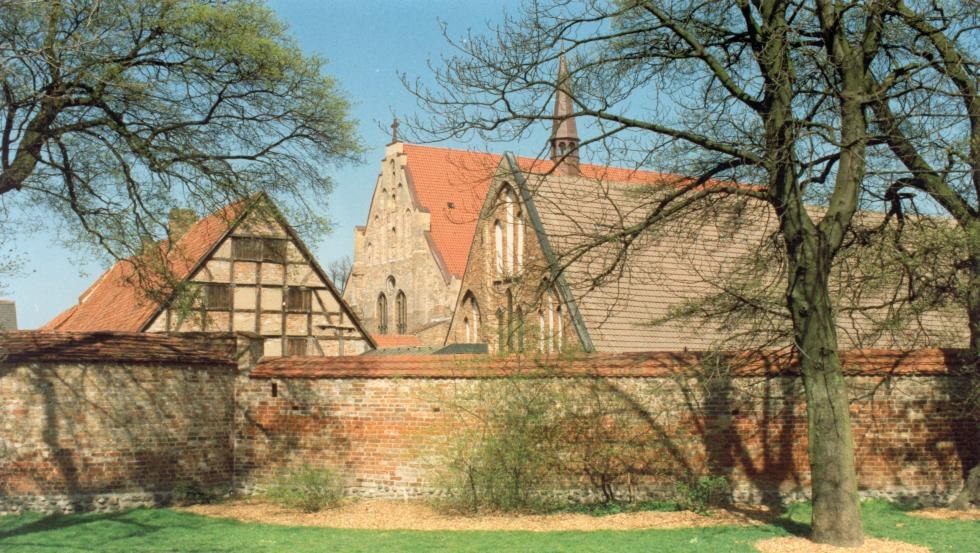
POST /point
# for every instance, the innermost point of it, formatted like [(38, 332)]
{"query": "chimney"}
[(8, 315), (564, 134), (180, 222)]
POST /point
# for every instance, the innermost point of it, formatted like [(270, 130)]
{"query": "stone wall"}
[(383, 422), (102, 423)]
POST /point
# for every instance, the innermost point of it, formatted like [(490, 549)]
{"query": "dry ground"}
[(947, 514), (378, 514), (802, 545)]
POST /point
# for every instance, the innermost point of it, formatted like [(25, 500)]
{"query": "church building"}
[(522, 254)]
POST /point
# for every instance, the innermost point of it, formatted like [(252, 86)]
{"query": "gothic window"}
[(382, 313), (498, 237), (471, 319), (390, 283), (509, 213), (401, 312), (519, 329), (510, 320), (561, 328), (520, 241), (542, 342), (501, 332)]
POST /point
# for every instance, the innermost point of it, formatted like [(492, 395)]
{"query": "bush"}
[(188, 492), (701, 493), (507, 461), (307, 489)]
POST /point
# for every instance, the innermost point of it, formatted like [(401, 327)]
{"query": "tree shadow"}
[(52, 522)]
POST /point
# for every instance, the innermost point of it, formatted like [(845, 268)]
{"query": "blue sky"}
[(367, 42)]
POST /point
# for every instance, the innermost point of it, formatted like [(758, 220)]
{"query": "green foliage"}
[(701, 493), (188, 492), (607, 508), (525, 439), (509, 459), (307, 489), (163, 103)]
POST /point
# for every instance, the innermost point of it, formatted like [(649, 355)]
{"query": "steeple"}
[(564, 135)]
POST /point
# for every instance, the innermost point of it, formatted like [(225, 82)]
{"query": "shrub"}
[(188, 492), (703, 492), (507, 461), (307, 489)]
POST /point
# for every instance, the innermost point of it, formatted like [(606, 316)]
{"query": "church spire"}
[(564, 135)]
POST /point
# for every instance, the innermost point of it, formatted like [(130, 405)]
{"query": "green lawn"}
[(166, 530)]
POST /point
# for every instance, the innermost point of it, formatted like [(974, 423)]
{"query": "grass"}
[(163, 530)]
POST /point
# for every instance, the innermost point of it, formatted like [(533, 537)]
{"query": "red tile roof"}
[(115, 301), (444, 176), (116, 347), (643, 364), (397, 341)]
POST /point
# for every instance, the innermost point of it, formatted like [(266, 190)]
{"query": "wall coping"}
[(869, 362), (215, 349)]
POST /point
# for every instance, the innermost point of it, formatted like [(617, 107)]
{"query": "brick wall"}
[(382, 422), (112, 420), (77, 433)]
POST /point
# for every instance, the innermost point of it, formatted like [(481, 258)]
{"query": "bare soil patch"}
[(947, 514), (415, 515), (803, 545)]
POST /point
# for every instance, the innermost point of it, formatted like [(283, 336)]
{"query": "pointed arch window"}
[(510, 321), (382, 313), (498, 250), (471, 319), (401, 312), (501, 330), (542, 342), (519, 329), (509, 214), (519, 223)]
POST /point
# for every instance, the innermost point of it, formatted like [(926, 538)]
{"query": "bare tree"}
[(924, 96), (114, 111), (763, 101), (339, 270)]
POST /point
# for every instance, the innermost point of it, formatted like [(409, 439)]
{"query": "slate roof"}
[(115, 302), (116, 347)]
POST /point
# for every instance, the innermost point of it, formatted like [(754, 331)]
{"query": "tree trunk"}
[(970, 494), (836, 510)]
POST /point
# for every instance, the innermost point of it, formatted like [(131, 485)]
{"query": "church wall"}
[(257, 297), (392, 254), (522, 272)]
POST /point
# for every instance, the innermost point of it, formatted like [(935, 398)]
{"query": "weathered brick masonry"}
[(381, 420), (113, 420)]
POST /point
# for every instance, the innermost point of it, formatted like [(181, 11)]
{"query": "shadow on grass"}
[(59, 521)]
